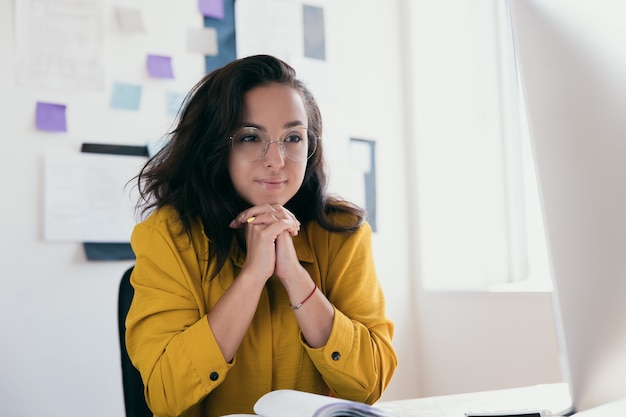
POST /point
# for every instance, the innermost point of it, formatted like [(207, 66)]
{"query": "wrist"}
[(301, 303)]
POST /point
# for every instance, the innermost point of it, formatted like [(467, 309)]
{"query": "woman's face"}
[(273, 178)]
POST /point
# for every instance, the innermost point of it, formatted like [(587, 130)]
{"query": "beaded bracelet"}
[(305, 300)]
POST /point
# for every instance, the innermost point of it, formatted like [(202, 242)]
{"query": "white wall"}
[(469, 340), (58, 312), (59, 354)]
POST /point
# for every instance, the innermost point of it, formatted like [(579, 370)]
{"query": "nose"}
[(274, 155)]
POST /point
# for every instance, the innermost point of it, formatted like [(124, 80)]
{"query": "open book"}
[(291, 403)]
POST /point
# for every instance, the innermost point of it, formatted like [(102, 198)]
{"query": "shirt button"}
[(214, 376), (335, 356)]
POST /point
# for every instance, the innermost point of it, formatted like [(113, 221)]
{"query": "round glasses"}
[(251, 143)]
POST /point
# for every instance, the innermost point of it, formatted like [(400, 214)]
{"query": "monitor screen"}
[(572, 60)]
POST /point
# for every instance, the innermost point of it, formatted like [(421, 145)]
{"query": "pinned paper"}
[(59, 44), (130, 20), (202, 41), (50, 117), (86, 197), (160, 66), (126, 96), (363, 158), (314, 32), (212, 8), (226, 37), (106, 251)]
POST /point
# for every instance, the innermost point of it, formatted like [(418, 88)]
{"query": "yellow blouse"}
[(171, 343)]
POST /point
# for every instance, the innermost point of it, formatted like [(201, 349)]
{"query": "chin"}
[(271, 199)]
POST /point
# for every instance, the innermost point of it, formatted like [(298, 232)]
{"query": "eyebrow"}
[(287, 125)]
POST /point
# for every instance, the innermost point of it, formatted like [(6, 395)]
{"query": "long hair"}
[(190, 173)]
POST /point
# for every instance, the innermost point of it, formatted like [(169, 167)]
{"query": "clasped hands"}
[(269, 244)]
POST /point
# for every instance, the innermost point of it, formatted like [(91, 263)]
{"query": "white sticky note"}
[(202, 41), (129, 20)]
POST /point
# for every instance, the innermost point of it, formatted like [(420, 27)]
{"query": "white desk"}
[(552, 397)]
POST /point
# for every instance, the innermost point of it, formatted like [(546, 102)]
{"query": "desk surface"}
[(552, 397)]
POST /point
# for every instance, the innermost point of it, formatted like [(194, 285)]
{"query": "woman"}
[(248, 276)]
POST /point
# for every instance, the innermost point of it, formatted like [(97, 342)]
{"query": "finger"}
[(250, 214), (275, 225), (263, 218), (244, 217), (286, 213), (236, 223), (288, 224)]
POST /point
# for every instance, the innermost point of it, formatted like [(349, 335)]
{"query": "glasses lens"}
[(251, 144), (296, 144)]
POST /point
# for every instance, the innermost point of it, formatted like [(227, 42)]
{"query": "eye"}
[(293, 137), (248, 138), (248, 135)]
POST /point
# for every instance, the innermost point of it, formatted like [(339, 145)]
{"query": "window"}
[(479, 219)]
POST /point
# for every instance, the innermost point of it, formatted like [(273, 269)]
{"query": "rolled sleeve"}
[(168, 336), (359, 359), (357, 363)]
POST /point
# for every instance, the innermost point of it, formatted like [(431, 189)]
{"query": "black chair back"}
[(134, 400)]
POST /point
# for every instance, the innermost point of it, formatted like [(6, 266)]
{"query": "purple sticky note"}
[(160, 66), (50, 117), (212, 8)]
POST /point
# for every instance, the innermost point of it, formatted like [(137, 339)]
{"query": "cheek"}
[(236, 173), (300, 174)]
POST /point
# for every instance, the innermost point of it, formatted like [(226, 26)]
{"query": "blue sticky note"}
[(125, 96), (173, 102), (212, 8), (160, 66), (50, 117)]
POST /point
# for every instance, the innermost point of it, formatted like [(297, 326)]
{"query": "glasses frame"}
[(310, 137)]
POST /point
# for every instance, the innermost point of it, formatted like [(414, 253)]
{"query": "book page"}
[(291, 403)]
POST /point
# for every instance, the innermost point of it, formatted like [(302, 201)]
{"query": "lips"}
[(272, 182)]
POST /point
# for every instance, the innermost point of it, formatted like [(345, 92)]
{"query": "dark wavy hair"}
[(190, 173)]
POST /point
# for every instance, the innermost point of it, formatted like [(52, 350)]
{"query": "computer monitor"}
[(572, 61)]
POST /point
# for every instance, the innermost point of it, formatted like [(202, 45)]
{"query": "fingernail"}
[(251, 219)]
